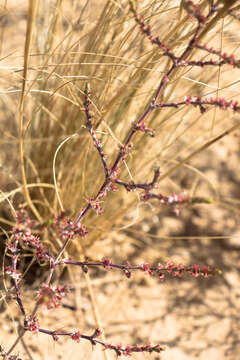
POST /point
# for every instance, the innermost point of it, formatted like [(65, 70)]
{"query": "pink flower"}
[(76, 336), (146, 268), (106, 263), (31, 323), (170, 266)]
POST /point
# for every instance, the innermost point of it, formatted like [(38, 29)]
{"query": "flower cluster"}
[(23, 235), (13, 273), (52, 296), (31, 323), (142, 127), (23, 221), (107, 263), (32, 242), (124, 151), (67, 229), (76, 336), (95, 204), (5, 356)]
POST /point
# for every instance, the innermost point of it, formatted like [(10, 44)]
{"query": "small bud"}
[(85, 269), (127, 273)]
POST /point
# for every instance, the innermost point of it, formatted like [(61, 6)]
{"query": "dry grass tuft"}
[(76, 42)]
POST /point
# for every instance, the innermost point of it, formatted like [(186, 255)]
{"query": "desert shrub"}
[(108, 118)]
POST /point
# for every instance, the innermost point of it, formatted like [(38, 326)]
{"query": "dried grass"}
[(98, 42)]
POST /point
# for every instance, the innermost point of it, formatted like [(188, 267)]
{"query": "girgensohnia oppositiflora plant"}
[(24, 238)]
